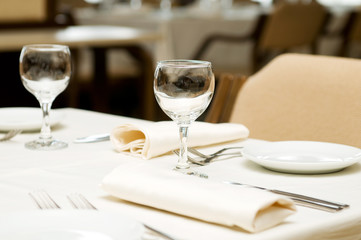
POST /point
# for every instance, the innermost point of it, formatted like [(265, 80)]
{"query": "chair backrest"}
[(227, 89), (293, 24), (31, 13), (19, 11), (350, 33), (355, 30), (303, 97)]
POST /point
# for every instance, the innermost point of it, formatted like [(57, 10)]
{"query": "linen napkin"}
[(251, 209), (150, 139)]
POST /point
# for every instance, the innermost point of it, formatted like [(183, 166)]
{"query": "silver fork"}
[(43, 200), (206, 159), (80, 202), (198, 153), (9, 135), (190, 159)]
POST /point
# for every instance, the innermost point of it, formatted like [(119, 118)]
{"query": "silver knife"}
[(93, 138), (302, 200)]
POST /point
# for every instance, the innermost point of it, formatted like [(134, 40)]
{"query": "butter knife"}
[(93, 138)]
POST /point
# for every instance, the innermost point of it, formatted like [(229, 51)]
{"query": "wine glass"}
[(45, 71), (183, 89)]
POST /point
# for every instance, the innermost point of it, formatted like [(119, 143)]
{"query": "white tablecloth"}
[(81, 168)]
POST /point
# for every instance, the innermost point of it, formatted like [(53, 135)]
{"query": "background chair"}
[(351, 35), (303, 97), (289, 25)]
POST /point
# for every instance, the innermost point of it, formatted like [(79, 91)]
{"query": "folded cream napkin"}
[(150, 139), (251, 209)]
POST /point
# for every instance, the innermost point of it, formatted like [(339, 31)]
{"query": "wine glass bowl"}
[(45, 71), (183, 89)]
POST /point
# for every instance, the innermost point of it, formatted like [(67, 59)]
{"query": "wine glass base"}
[(182, 166), (190, 171), (46, 145)]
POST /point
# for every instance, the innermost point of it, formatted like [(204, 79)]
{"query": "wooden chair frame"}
[(226, 92)]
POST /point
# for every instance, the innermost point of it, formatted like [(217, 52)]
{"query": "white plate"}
[(68, 225), (305, 157), (26, 118)]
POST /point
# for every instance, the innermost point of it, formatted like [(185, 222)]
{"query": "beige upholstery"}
[(293, 24), (14, 11), (303, 97)]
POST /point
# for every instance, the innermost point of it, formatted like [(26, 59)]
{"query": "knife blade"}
[(302, 200), (93, 138)]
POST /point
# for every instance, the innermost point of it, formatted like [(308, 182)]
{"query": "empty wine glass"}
[(45, 71), (183, 89)]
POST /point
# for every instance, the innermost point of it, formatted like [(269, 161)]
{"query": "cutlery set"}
[(202, 159), (44, 201), (301, 200)]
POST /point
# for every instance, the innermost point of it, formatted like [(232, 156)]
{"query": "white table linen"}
[(251, 209), (81, 168), (152, 139)]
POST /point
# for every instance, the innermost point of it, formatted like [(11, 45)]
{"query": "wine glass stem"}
[(183, 153), (45, 134)]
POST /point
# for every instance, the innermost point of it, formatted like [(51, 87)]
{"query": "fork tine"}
[(206, 159), (79, 201), (77, 198), (43, 199), (196, 152), (87, 203)]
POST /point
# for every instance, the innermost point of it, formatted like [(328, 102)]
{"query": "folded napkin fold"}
[(251, 209), (150, 139)]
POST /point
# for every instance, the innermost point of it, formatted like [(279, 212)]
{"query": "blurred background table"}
[(184, 28), (179, 32), (99, 39)]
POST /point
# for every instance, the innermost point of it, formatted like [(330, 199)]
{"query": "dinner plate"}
[(68, 225), (26, 118), (306, 157)]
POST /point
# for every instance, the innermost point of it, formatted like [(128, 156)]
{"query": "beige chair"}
[(290, 25), (303, 97)]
